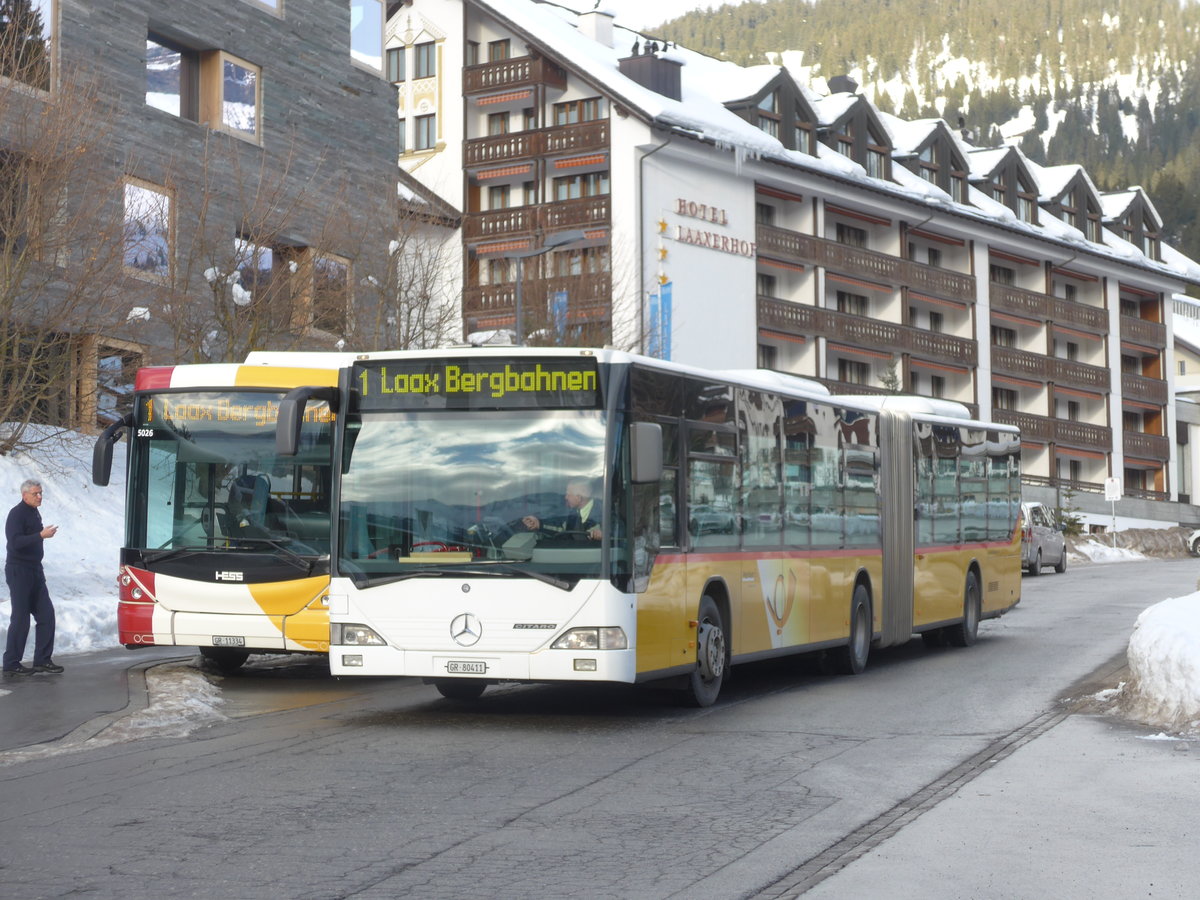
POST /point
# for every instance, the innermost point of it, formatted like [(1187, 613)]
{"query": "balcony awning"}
[(504, 172), (504, 98)]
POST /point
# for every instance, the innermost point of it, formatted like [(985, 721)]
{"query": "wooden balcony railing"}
[(1140, 331), (881, 267), (1147, 446), (860, 331), (1047, 429), (1139, 387), (1044, 306), (502, 148), (589, 298), (520, 71), (1035, 366), (521, 221)]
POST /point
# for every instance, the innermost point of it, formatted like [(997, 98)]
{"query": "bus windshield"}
[(500, 491), (204, 476)]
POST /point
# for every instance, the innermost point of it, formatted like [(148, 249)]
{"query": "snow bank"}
[(1164, 664)]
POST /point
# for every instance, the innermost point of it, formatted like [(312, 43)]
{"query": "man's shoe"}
[(49, 668), (19, 670)]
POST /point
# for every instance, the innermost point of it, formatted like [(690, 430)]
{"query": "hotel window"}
[(1003, 398), (331, 294), (937, 322), (530, 189), (937, 386), (529, 118), (497, 123), (1002, 274), (573, 187), (768, 114), (395, 64), (876, 164), (766, 285), (1073, 410), (764, 213), (426, 132), (849, 234), (855, 304), (1003, 337), (148, 232), (366, 33), (34, 23), (498, 51), (851, 371), (472, 53), (584, 261), (211, 87), (768, 356), (263, 269), (803, 137), (769, 126), (575, 111), (403, 129), (934, 257), (958, 188), (425, 60), (498, 197), (1025, 209)]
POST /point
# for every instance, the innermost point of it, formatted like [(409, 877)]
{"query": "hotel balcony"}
[(1141, 331), (1147, 446), (1007, 298), (518, 72), (1049, 430), (589, 299), (522, 145), (1139, 387), (861, 331), (1035, 366), (525, 221), (793, 246)]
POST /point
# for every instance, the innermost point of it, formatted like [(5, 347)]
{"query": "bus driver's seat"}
[(248, 496)]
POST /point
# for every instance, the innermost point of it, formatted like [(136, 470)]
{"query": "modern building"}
[(620, 189), (186, 181)]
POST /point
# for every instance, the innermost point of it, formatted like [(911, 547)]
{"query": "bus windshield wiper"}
[(286, 552), (159, 555), (362, 579)]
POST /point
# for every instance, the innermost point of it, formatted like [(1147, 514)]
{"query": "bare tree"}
[(61, 273)]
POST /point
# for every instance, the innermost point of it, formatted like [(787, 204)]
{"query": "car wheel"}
[(1035, 567), (1195, 548), (1061, 565)]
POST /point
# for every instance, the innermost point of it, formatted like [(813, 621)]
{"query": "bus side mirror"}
[(645, 452), (291, 415), (102, 452)]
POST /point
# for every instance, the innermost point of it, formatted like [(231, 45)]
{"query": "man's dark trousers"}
[(29, 595)]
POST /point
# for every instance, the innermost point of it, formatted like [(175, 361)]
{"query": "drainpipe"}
[(642, 244)]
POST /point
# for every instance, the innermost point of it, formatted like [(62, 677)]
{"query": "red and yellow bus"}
[(571, 515), (226, 543)]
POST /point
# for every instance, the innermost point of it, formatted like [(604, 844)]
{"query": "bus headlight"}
[(354, 636), (610, 638)]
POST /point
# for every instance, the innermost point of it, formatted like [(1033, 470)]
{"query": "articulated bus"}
[(570, 515), (226, 543)]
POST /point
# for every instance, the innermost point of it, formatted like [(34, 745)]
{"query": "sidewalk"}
[(95, 688), (1092, 808)]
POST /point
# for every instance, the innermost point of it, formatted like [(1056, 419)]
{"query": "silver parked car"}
[(1193, 543), (1042, 541)]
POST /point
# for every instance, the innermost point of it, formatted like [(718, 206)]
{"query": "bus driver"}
[(581, 522)]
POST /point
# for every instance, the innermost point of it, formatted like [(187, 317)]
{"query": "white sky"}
[(642, 14)]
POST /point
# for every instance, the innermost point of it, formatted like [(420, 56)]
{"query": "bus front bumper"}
[(545, 665)]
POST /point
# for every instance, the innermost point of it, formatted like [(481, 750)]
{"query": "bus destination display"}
[(487, 383)]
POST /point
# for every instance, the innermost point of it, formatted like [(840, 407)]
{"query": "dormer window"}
[(876, 164), (768, 114)]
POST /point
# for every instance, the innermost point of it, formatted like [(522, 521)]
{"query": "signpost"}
[(1112, 493)]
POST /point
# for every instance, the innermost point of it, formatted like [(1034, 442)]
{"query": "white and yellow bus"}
[(572, 515), (226, 543)]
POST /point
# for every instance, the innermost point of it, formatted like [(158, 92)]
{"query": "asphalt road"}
[(794, 782)]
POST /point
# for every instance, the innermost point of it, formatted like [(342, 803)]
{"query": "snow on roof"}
[(707, 83), (1114, 204), (1053, 180), (908, 136)]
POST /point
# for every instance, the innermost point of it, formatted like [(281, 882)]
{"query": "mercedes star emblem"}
[(466, 630)]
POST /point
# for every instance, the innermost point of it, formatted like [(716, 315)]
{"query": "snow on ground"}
[(81, 565)]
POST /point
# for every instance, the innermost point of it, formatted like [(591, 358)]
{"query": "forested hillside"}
[(1109, 84)]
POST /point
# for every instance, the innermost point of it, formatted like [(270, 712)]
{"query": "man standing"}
[(27, 584)]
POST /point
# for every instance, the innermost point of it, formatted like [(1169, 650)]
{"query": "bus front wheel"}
[(966, 632), (228, 661), (460, 688), (704, 683), (852, 658)]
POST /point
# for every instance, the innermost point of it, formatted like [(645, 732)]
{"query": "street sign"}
[(1112, 489)]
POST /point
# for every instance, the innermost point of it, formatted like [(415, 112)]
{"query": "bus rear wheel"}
[(852, 658), (460, 688), (228, 661), (965, 633), (704, 683)]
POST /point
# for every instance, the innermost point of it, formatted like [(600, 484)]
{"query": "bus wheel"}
[(460, 688), (852, 658), (228, 661), (964, 633), (704, 683)]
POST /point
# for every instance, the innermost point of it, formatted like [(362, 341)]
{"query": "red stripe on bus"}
[(135, 623), (153, 378)]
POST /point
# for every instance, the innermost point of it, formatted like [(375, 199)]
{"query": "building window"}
[(497, 123), (530, 188), (148, 232), (575, 111), (876, 164), (584, 261), (802, 135), (854, 304), (498, 197), (937, 386), (768, 356), (768, 125), (424, 60), (426, 132), (936, 323), (331, 294), (395, 64), (1003, 398), (366, 33), (209, 86), (1003, 337), (770, 103), (765, 285), (1002, 274), (764, 213), (573, 187), (849, 234), (934, 257), (261, 267), (499, 51), (1073, 410), (472, 53), (1025, 209), (529, 118), (403, 129), (851, 371), (958, 188), (27, 42)]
